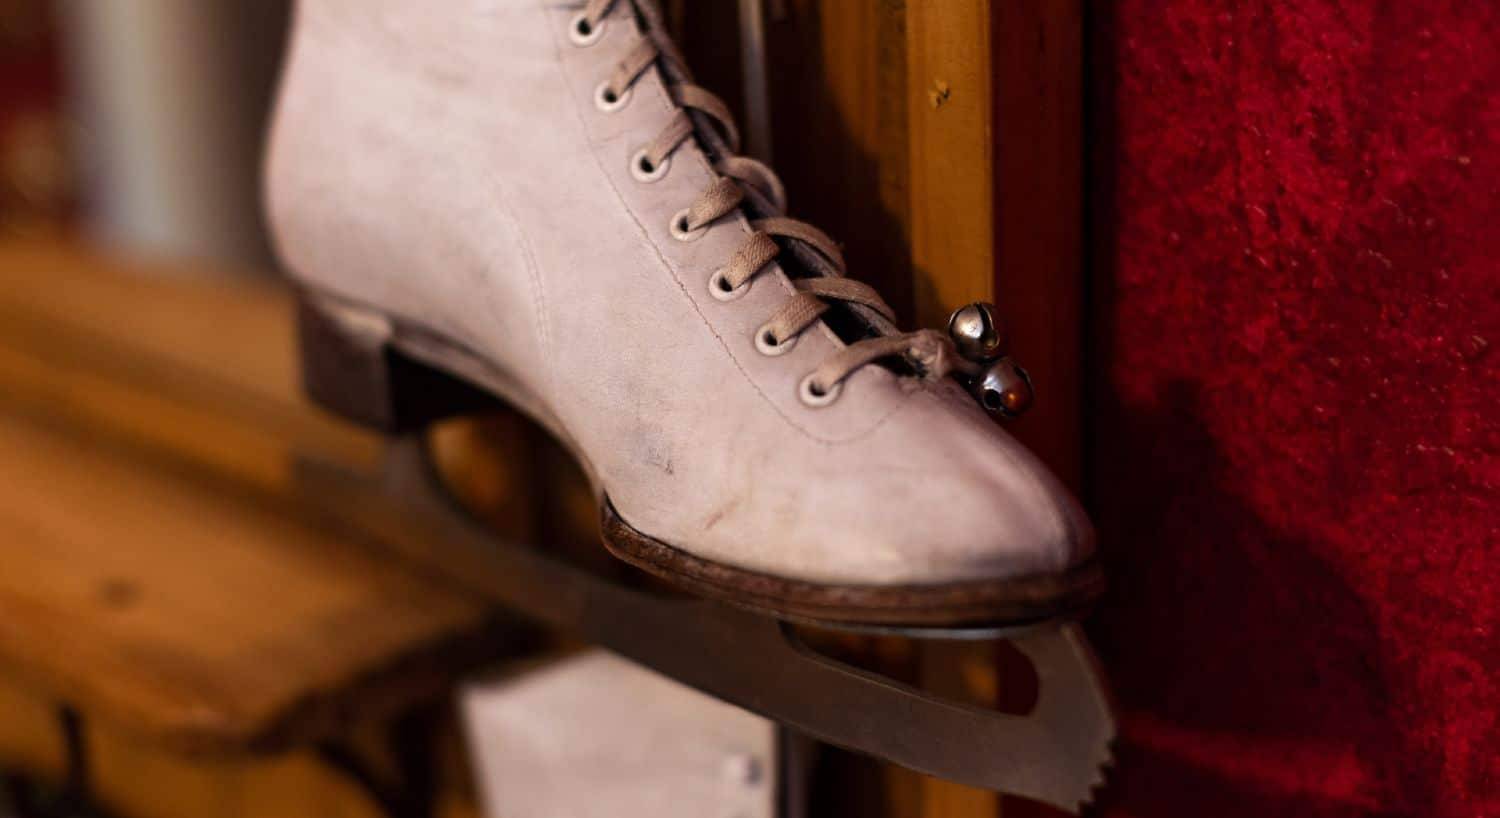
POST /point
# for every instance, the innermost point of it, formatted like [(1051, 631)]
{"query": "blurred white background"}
[(139, 123)]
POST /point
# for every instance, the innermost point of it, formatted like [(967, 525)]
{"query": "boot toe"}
[(939, 495), (976, 505)]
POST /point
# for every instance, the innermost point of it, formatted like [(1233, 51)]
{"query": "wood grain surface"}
[(161, 571)]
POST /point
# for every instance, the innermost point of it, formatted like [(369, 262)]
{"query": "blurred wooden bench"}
[(162, 584)]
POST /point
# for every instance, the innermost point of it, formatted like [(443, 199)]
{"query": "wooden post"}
[(941, 142), (949, 97), (1038, 115), (1037, 48)]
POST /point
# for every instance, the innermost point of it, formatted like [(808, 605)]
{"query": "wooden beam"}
[(1038, 180), (951, 157), (951, 153), (1038, 130)]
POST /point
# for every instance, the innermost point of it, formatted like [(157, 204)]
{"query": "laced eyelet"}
[(582, 32), (815, 395), (608, 99), (718, 287), (768, 343), (642, 169), (680, 230)]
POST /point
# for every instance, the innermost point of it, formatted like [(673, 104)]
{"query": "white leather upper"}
[(447, 164)]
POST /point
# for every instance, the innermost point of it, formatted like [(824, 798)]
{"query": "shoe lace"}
[(745, 180)]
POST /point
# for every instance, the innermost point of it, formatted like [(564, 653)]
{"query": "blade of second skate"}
[(1054, 754)]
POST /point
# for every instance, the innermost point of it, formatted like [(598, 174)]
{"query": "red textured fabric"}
[(1296, 233)]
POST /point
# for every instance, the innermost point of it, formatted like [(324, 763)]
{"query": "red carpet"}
[(1296, 217)]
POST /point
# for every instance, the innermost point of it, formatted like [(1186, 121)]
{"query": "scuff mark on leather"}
[(654, 452), (722, 512)]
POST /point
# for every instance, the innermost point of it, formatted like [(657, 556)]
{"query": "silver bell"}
[(978, 333), (1003, 389)]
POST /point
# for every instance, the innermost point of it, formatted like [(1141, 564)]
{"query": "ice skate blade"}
[(1056, 753)]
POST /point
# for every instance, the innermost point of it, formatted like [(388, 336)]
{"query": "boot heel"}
[(351, 367)]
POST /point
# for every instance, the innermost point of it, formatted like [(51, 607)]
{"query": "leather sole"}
[(980, 603), (395, 377)]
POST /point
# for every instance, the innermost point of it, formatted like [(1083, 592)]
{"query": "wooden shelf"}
[(158, 568)]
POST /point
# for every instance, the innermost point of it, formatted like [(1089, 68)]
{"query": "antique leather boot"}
[(531, 199)]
